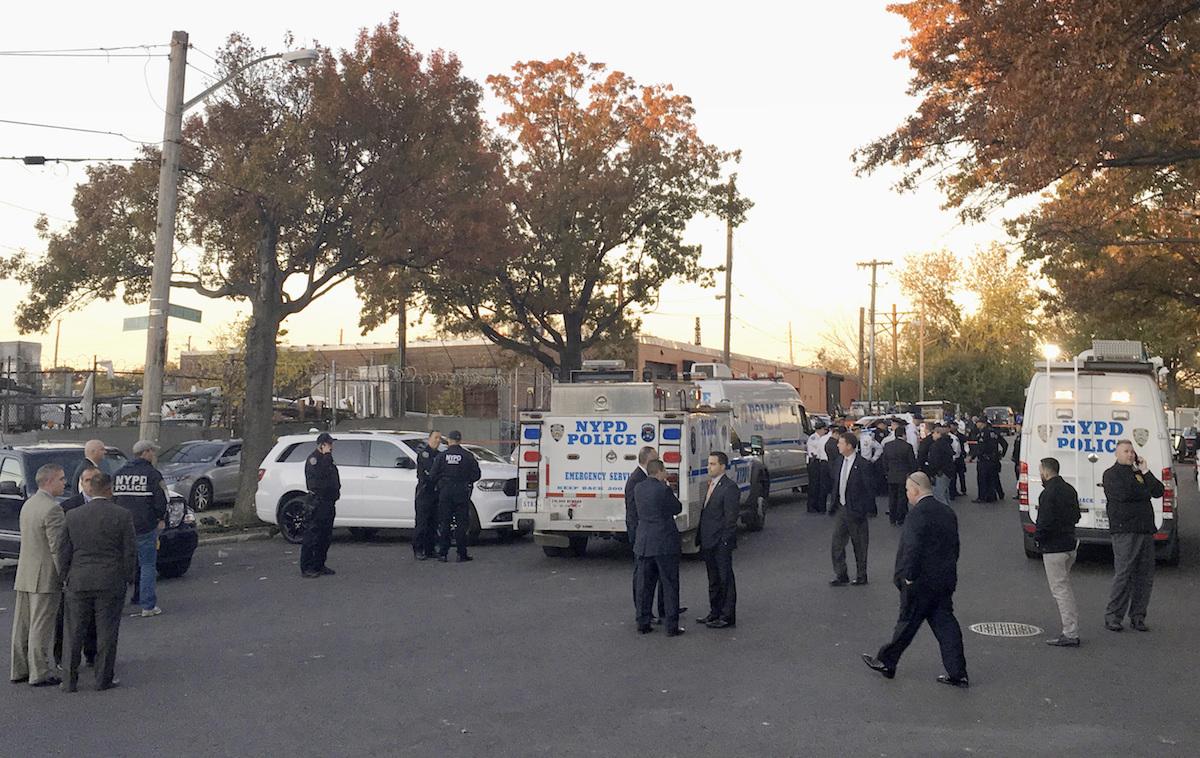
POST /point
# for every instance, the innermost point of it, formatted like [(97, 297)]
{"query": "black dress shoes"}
[(310, 574), (1139, 625), (464, 558), (707, 619), (838, 582), (876, 665), (326, 571), (442, 558), (1113, 626), (962, 683), (645, 629), (859, 581), (675, 632), (50, 681), (721, 624)]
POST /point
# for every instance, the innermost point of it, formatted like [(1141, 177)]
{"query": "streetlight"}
[(164, 236), (1050, 353)]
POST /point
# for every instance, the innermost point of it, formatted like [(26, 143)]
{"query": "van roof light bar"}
[(1130, 351)]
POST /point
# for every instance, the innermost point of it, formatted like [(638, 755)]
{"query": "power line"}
[(35, 212), (78, 129), (37, 160), (56, 51)]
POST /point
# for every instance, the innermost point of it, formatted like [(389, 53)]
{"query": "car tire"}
[(174, 570), (362, 533), (290, 518), (1170, 555), (578, 547), (552, 551), (1031, 551), (756, 519), (507, 536), (201, 496)]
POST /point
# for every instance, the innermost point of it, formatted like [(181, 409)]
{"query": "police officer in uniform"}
[(453, 473), (990, 448), (324, 487), (425, 536)]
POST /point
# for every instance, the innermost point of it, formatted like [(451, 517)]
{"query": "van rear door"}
[(586, 461)]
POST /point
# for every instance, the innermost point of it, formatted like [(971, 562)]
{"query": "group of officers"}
[(442, 507)]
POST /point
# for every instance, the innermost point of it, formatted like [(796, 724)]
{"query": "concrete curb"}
[(244, 536)]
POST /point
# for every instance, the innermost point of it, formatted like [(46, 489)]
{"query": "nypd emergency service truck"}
[(1077, 411), (574, 460)]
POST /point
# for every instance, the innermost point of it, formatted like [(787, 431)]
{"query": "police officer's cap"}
[(820, 424), (142, 446), (454, 436), (325, 437)]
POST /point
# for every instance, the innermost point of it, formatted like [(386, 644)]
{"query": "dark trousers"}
[(100, 611), (916, 608), (987, 477), (853, 529), (60, 634), (454, 504), (662, 570), (961, 469), (637, 588), (317, 537), (1133, 577), (722, 586), (815, 497), (897, 503), (425, 532), (826, 488)]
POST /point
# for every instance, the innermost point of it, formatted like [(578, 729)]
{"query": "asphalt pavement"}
[(516, 654)]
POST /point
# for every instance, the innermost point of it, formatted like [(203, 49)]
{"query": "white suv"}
[(379, 479)]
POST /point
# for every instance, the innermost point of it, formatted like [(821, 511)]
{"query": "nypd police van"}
[(575, 458), (1077, 411)]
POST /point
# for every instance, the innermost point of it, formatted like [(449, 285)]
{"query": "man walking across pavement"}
[(818, 466), (927, 576), (38, 585), (1058, 512), (324, 485), (941, 463), (717, 538), (854, 494), (86, 489), (93, 457), (454, 472), (900, 460), (657, 548), (425, 501), (98, 558), (1128, 487), (138, 487)]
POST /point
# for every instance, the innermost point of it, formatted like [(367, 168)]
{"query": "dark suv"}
[(18, 469)]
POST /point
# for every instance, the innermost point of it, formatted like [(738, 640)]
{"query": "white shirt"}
[(816, 446), (910, 433), (847, 464), (954, 443), (871, 450)]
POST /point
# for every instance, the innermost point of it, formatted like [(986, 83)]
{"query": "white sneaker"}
[(148, 612)]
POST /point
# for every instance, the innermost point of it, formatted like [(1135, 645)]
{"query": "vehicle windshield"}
[(483, 454), (997, 414), (69, 460), (203, 452)]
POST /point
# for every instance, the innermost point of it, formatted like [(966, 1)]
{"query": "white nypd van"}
[(1077, 411)]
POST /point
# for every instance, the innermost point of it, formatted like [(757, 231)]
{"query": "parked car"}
[(379, 477), (18, 471), (205, 472)]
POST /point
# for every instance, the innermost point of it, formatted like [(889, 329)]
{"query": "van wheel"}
[(1031, 551), (578, 546), (756, 519), (1170, 556)]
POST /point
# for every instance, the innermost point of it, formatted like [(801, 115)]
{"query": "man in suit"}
[(717, 538), (657, 547), (854, 495), (831, 456), (98, 558), (900, 460), (86, 479), (923, 448), (645, 455), (926, 575), (38, 585), (93, 457)]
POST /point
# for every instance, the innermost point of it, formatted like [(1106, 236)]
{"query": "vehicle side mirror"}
[(227, 460), (10, 488), (744, 449), (405, 462), (756, 444)]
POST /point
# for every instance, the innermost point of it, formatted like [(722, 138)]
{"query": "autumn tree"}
[(294, 182), (1091, 103), (601, 177)]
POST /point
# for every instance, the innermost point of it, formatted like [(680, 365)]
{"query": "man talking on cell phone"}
[(1128, 488)]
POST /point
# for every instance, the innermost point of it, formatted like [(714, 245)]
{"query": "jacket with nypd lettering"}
[(138, 487)]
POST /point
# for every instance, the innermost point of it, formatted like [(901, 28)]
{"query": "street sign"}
[(137, 323)]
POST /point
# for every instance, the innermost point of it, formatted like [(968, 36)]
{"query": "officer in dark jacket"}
[(831, 457), (454, 471), (657, 547), (927, 576), (899, 460), (1058, 512), (425, 505), (960, 462), (940, 464), (989, 450), (1128, 487), (645, 455), (923, 446), (324, 488), (138, 487)]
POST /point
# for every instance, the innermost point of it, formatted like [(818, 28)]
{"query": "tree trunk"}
[(570, 357), (258, 434)]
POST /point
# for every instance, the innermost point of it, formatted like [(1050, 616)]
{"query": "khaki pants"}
[(1058, 575), (34, 620)]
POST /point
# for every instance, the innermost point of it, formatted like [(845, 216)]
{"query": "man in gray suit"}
[(98, 559), (38, 585), (657, 547)]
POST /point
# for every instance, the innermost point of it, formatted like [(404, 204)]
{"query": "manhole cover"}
[(1005, 629)]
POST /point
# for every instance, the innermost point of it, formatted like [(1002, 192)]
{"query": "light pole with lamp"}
[(1050, 353), (164, 236)]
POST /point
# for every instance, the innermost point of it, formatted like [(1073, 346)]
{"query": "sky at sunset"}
[(796, 87)]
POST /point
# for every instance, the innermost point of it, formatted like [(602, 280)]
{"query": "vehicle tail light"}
[(261, 473), (531, 480), (1023, 485), (531, 456), (672, 457), (1168, 481)]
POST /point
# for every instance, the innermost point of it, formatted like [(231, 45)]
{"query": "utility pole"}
[(791, 354), (164, 239), (921, 355), (57, 334), (401, 350), (728, 271), (874, 266), (895, 341), (861, 378), (697, 330)]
